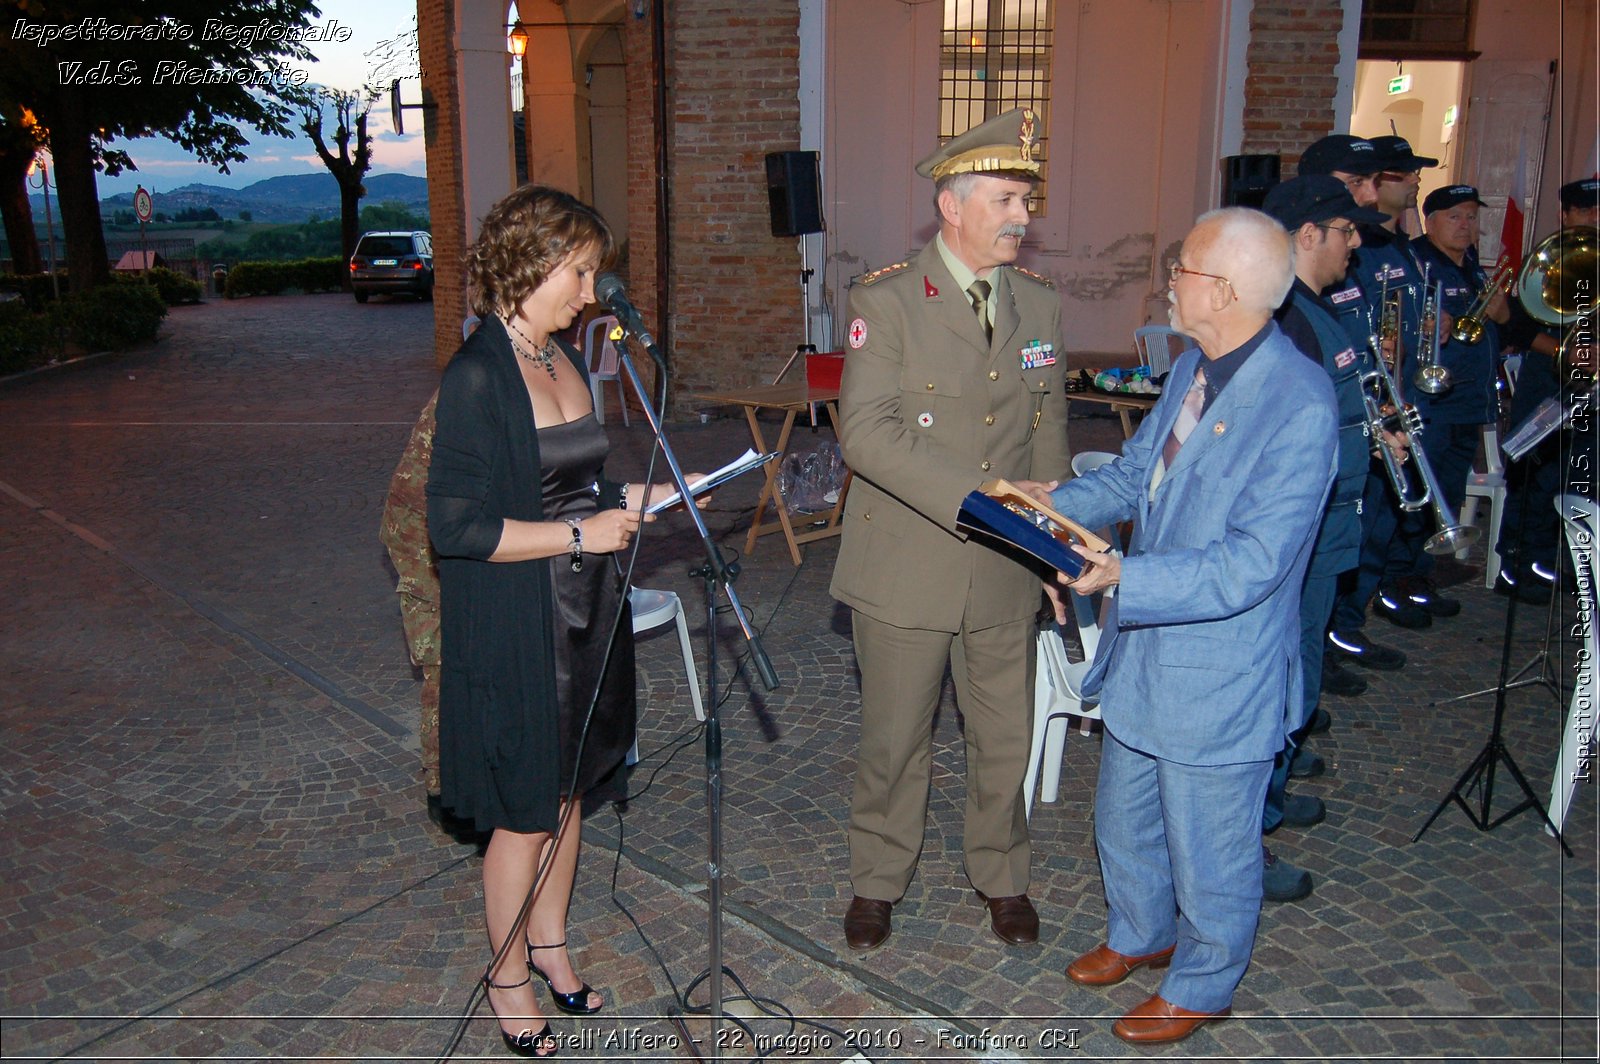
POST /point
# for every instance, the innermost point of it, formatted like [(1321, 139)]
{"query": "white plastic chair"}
[(1491, 485), (1510, 369), (1084, 461), (600, 355), (651, 610), (1155, 346), (1057, 683), (1578, 518), (1057, 695)]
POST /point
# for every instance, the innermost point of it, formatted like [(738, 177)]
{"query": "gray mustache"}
[(1018, 231)]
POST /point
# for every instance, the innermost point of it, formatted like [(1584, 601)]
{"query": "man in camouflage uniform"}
[(404, 532)]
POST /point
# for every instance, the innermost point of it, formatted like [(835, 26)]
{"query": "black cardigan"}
[(498, 718)]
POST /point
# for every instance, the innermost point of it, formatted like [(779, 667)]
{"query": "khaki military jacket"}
[(928, 412)]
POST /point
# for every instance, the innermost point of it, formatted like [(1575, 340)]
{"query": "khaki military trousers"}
[(902, 672)]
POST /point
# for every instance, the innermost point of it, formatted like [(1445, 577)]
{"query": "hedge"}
[(111, 317), (107, 318), (37, 291), (173, 287), (34, 288), (273, 278)]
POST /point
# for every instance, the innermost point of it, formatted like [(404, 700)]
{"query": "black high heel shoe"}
[(526, 1043), (573, 1004)]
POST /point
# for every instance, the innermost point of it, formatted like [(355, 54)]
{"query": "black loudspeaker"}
[(1246, 179), (794, 192)]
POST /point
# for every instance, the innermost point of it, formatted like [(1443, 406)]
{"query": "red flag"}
[(1511, 228), (1511, 235)]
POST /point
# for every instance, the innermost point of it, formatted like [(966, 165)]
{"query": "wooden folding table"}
[(791, 399), (1124, 404)]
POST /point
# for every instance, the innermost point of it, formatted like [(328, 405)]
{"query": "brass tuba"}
[(1557, 286)]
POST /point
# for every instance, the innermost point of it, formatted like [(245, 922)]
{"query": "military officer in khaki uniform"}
[(954, 376)]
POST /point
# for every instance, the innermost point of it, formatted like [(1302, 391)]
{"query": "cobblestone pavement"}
[(216, 844)]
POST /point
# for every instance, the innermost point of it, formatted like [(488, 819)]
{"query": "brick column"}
[(733, 82), (1293, 60), (442, 134)]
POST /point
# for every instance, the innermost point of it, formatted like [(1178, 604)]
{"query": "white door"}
[(1507, 125)]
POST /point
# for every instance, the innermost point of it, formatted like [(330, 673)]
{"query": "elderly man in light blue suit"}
[(1199, 668)]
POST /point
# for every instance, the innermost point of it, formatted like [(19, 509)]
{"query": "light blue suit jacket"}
[(1201, 659)]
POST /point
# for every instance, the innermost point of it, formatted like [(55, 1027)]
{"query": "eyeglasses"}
[(1348, 230), (1174, 268)]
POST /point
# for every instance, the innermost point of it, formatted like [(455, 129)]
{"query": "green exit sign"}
[(1399, 84)]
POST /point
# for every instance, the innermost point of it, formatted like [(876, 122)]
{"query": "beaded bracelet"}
[(577, 544), (624, 505)]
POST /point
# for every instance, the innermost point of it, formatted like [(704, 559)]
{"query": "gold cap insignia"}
[(1005, 146)]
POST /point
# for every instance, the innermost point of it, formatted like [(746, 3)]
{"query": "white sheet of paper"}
[(743, 464)]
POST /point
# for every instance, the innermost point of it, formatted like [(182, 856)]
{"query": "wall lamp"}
[(517, 40)]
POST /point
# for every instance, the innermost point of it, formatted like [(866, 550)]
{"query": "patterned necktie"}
[(979, 292), (1194, 401)]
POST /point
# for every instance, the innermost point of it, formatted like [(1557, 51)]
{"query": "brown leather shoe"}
[(1104, 966), (1014, 919), (866, 923), (1157, 1020)]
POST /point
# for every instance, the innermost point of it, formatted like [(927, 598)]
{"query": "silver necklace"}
[(541, 354)]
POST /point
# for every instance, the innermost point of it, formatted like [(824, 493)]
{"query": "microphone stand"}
[(717, 574)]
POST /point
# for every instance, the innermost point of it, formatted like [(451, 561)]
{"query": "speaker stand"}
[(806, 348)]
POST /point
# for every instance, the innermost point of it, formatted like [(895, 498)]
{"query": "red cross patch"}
[(858, 334)]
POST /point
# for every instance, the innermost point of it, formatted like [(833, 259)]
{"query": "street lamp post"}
[(49, 222)]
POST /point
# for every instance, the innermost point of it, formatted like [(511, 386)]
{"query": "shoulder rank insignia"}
[(1047, 282), (877, 275)]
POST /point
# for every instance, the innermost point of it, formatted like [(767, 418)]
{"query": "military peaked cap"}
[(1005, 146)]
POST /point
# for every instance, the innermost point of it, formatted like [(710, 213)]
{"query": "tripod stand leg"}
[(1495, 749), (1531, 800), (1454, 795)]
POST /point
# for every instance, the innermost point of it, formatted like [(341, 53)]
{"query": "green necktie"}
[(979, 291)]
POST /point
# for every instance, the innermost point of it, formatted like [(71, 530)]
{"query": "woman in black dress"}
[(523, 519)]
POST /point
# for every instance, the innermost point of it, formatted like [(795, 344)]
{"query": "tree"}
[(97, 86), (19, 143), (350, 111), (390, 215)]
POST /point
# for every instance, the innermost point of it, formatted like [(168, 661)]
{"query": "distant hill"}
[(290, 198)]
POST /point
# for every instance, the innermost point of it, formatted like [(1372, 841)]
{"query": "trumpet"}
[(1389, 323), (1468, 328), (1431, 376), (1378, 391)]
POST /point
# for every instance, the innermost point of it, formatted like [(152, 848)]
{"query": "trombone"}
[(1468, 328), (1387, 412)]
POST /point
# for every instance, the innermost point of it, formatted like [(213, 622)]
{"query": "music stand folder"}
[(1001, 510)]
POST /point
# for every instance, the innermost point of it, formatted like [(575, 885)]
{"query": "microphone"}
[(608, 290)]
